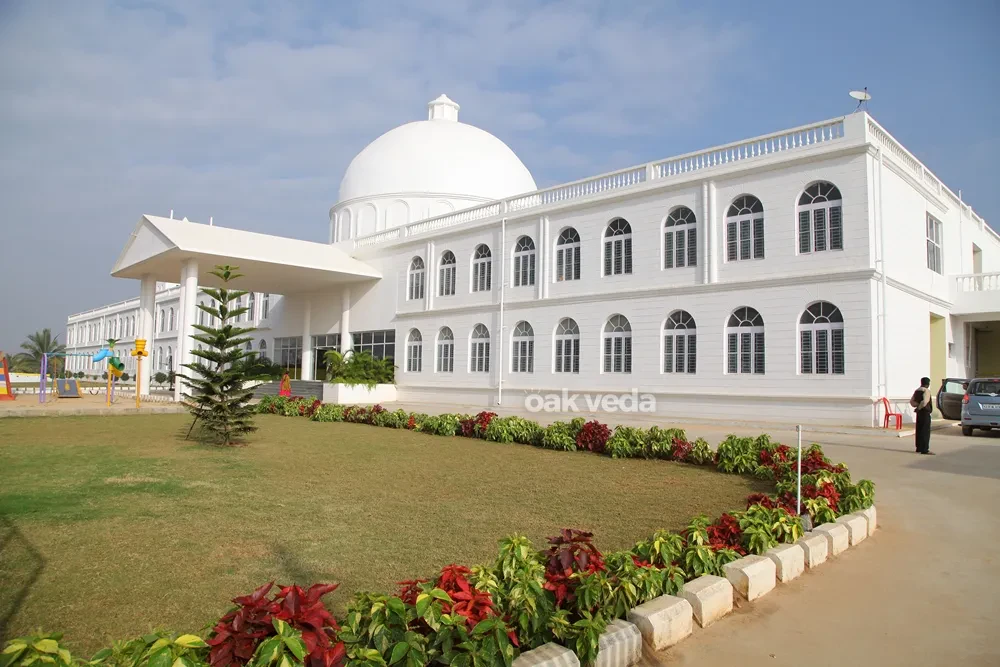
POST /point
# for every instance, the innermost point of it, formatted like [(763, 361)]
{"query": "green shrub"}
[(856, 497), (560, 436), (266, 404), (499, 430), (156, 648), (446, 424), (525, 431), (764, 528), (39, 649), (660, 550), (701, 453), (738, 455), (626, 442), (659, 442), (329, 412)]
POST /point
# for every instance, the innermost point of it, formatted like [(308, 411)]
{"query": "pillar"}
[(346, 345), (144, 329), (308, 364), (189, 283), (713, 235)]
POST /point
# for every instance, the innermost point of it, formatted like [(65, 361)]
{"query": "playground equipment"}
[(72, 388), (5, 392), (139, 352)]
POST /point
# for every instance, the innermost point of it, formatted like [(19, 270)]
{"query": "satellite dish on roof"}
[(862, 97)]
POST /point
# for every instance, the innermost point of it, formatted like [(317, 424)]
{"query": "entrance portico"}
[(167, 250)]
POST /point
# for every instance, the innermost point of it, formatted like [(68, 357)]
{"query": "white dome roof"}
[(437, 156)]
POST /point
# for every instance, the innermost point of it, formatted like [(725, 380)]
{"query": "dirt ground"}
[(27, 405)]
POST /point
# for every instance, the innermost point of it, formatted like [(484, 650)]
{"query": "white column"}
[(144, 329), (189, 282), (308, 365), (346, 345), (430, 276), (713, 235), (703, 234)]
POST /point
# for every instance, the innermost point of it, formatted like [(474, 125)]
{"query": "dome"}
[(438, 156)]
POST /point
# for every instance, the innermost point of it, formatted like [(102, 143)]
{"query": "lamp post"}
[(139, 352)]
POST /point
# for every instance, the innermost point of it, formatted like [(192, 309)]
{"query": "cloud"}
[(252, 114)]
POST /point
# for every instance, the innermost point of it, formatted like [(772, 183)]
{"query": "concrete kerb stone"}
[(711, 598), (548, 655), (663, 621), (789, 561), (620, 645), (870, 516), (816, 548), (857, 527), (837, 537), (752, 576)]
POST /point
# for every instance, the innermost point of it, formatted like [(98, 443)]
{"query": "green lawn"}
[(112, 525)]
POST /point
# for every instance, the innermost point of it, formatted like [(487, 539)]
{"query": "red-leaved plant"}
[(680, 449), (726, 534), (235, 637), (593, 437), (570, 552), (475, 605), (475, 427)]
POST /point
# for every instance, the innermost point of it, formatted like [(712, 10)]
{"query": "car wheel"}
[(966, 430)]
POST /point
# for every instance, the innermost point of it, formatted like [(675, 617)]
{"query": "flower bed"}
[(489, 614)]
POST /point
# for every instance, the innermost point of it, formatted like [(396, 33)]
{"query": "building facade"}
[(799, 276)]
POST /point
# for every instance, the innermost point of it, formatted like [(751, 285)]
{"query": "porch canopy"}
[(159, 248)]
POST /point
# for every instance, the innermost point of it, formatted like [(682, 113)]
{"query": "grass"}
[(110, 526)]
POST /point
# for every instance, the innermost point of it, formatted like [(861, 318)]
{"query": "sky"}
[(250, 112)]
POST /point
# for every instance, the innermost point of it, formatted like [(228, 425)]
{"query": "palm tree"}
[(37, 344)]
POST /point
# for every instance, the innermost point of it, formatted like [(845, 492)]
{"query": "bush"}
[(328, 412), (446, 424), (660, 442), (125, 377), (627, 442), (160, 377), (701, 453), (593, 437), (559, 436), (514, 429), (737, 455)]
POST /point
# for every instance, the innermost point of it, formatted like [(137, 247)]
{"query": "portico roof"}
[(158, 247)]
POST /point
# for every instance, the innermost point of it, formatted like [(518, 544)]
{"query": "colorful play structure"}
[(70, 387), (6, 394)]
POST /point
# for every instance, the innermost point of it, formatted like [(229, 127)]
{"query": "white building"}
[(797, 276)]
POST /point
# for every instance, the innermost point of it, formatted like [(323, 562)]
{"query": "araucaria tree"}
[(215, 393)]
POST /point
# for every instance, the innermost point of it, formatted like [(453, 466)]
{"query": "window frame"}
[(566, 347), (447, 274), (444, 363), (568, 247), (616, 358), (680, 223), (482, 269), (817, 319), (742, 341), (935, 244), (416, 279), (522, 348), (479, 349), (523, 262), (817, 215), (616, 248), (679, 349), (741, 227), (414, 351)]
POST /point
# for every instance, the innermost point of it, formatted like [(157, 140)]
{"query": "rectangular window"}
[(837, 343), (447, 287), (668, 250), (608, 253), (379, 344), (935, 260), (758, 238), (680, 355), (668, 354), (731, 242), (446, 357), (733, 354), (746, 359), (819, 229), (692, 247), (681, 249), (822, 351), (607, 355), (745, 240), (806, 351), (568, 263), (628, 255), (758, 353), (804, 239), (836, 229), (414, 358), (692, 353)]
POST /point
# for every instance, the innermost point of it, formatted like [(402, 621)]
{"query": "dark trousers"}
[(923, 436)]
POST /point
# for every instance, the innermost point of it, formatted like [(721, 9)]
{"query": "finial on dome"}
[(442, 109)]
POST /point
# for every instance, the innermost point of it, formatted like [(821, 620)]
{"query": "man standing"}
[(921, 402)]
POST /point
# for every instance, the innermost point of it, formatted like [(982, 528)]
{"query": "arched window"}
[(163, 320), (446, 274), (618, 247), (201, 313), (567, 346), (479, 350), (745, 229), (680, 239), (618, 345), (821, 225), (172, 323), (415, 280), (524, 262), (266, 310), (680, 343), (170, 358), (482, 269), (249, 346), (821, 339), (131, 326), (236, 307), (568, 255), (262, 346), (745, 341), (159, 358), (445, 351), (522, 358), (252, 306), (414, 351)]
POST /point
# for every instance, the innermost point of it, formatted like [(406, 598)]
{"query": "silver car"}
[(981, 405)]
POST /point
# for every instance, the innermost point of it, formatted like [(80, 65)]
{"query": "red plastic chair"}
[(889, 414)]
